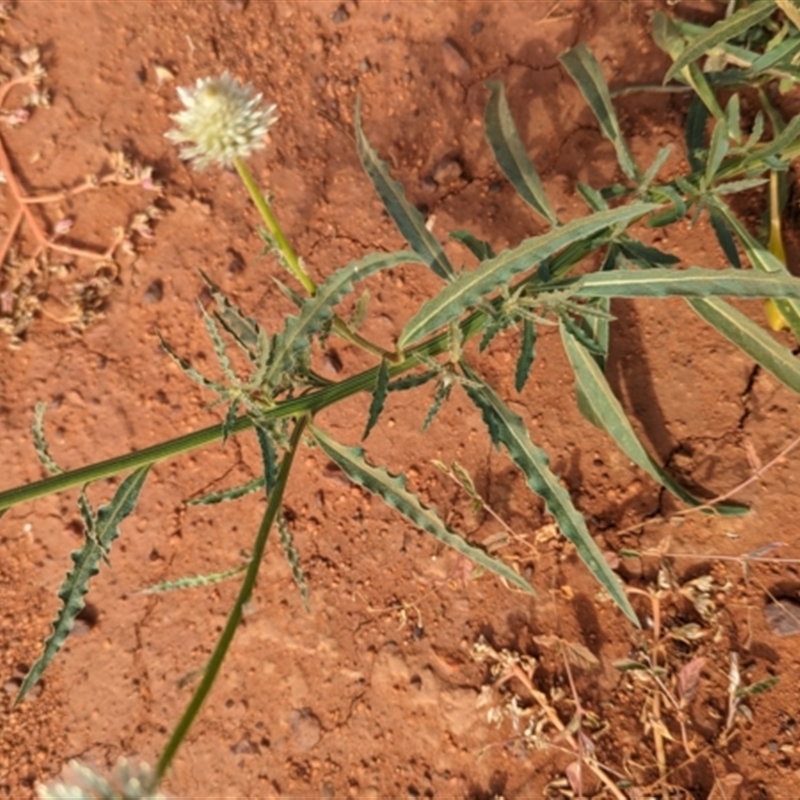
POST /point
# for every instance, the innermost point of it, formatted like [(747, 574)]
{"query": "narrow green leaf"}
[(526, 355), (510, 154), (293, 560), (408, 220), (583, 68), (378, 397), (234, 493), (244, 329), (653, 170), (668, 37), (269, 458), (717, 150), (394, 493), (787, 137), (724, 237), (690, 282), (480, 249), (194, 581), (696, 120), (606, 412), (468, 289), (761, 258), (507, 428), (751, 339), (190, 371), (442, 393), (412, 381), (230, 418), (644, 254), (220, 349), (318, 309), (86, 565), (40, 441), (737, 23)]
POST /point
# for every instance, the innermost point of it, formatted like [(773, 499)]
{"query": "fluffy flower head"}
[(222, 120)]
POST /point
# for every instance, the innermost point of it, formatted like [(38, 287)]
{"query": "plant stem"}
[(309, 403), (289, 256), (245, 592)]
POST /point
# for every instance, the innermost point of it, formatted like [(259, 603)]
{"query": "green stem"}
[(289, 256), (235, 616), (309, 403)]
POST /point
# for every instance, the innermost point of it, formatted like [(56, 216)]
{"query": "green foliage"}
[(104, 530), (394, 493), (567, 276)]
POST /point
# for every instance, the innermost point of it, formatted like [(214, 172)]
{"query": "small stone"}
[(476, 28), (455, 61), (783, 617), (340, 15), (447, 171), (306, 729), (244, 747), (154, 292)]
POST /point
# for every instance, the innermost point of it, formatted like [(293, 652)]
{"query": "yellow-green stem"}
[(289, 256)]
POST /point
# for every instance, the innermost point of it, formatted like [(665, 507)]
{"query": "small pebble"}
[(154, 292), (783, 617), (455, 61), (447, 171), (340, 15), (306, 729)]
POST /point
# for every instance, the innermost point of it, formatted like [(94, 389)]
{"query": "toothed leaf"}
[(225, 495), (86, 565), (526, 354), (194, 581), (40, 442), (394, 493), (506, 428), (469, 288), (606, 412), (510, 154), (378, 397), (407, 219), (295, 340)]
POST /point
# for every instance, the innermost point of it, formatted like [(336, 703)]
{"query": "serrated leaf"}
[(394, 493), (717, 150), (605, 411), (668, 37), (689, 282), (234, 493), (720, 32), (751, 339), (645, 255), (412, 381), (507, 428), (442, 393), (293, 560), (696, 119), (194, 581), (510, 154), (468, 289), (724, 237), (230, 418), (269, 459), (407, 219), (86, 565), (190, 371), (787, 137), (526, 355), (378, 397), (40, 441), (318, 309), (480, 249), (244, 329), (583, 68), (220, 348)]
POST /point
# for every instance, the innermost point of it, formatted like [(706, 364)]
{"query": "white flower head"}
[(222, 121)]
